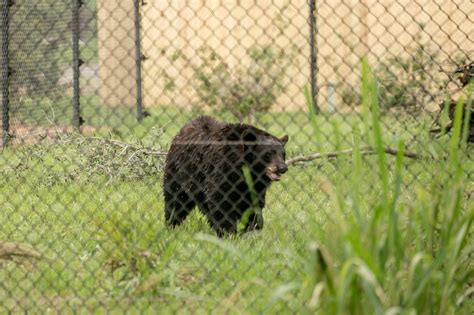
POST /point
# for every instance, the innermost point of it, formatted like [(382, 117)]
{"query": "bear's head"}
[(264, 153)]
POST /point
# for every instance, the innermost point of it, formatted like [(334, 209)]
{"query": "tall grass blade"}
[(371, 97), (394, 235), (355, 182), (371, 104), (467, 113), (312, 113), (254, 207)]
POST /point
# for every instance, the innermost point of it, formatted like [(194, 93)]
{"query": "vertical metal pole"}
[(76, 63), (138, 59), (313, 54), (5, 72)]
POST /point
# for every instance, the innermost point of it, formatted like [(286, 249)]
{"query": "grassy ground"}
[(104, 245)]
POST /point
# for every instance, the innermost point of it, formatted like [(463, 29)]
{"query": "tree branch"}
[(290, 162), (334, 154), (10, 249), (127, 146)]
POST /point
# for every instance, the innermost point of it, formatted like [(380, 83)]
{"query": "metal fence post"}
[(138, 59), (76, 63), (5, 72), (313, 53)]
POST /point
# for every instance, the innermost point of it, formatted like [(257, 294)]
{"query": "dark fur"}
[(204, 169)]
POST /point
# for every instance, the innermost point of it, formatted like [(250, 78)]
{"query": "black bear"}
[(205, 167)]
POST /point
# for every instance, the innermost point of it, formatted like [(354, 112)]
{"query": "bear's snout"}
[(282, 168), (275, 171)]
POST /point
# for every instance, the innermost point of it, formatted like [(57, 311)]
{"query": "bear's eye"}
[(268, 155)]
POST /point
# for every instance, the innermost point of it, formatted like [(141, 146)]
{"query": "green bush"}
[(409, 81), (244, 89), (75, 158)]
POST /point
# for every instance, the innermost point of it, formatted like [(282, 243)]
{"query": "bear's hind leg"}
[(220, 221), (177, 207)]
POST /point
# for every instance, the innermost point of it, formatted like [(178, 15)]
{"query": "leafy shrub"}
[(249, 87), (75, 158), (350, 97), (409, 81)]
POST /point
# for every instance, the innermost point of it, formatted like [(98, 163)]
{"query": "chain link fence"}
[(99, 178)]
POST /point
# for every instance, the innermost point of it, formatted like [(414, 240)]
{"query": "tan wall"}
[(347, 30), (226, 27), (115, 26)]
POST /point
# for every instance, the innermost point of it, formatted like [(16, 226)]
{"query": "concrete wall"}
[(115, 25), (347, 30)]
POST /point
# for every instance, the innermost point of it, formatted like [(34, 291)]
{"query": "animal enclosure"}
[(335, 175)]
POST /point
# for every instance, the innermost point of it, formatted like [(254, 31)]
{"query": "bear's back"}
[(200, 130), (195, 149)]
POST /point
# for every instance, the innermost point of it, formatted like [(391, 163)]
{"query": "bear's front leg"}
[(255, 221)]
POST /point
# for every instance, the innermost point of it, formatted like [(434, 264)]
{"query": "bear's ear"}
[(248, 135), (230, 133), (284, 140)]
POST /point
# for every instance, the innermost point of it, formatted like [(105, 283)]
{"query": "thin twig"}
[(334, 154)]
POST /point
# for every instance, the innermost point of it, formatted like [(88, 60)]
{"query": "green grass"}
[(358, 234)]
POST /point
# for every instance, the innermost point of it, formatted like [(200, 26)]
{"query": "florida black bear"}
[(204, 168)]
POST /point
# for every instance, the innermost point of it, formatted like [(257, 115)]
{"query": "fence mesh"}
[(121, 117)]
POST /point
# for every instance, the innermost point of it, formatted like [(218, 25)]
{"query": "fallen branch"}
[(121, 144), (292, 161), (334, 154), (8, 250), (126, 146)]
